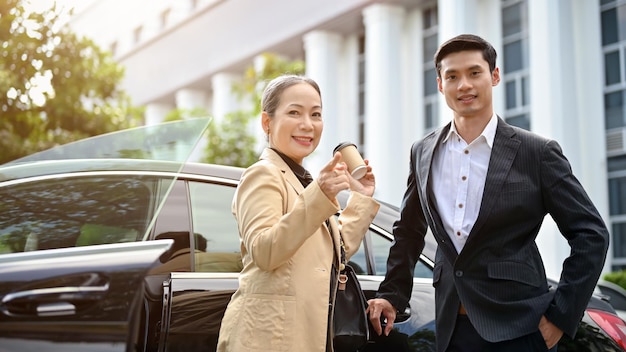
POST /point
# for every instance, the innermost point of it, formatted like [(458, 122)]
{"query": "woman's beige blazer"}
[(287, 253)]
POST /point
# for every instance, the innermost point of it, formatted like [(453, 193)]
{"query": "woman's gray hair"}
[(275, 88)]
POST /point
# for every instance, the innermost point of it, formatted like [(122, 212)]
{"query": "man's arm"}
[(582, 226), (408, 231)]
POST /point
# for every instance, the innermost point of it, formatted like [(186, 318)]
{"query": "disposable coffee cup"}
[(351, 156)]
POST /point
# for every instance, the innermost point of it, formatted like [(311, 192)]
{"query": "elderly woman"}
[(289, 246)]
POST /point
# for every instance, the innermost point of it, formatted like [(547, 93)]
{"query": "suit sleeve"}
[(581, 224), (408, 233), (270, 230)]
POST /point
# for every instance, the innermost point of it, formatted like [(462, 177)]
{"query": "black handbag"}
[(350, 327)]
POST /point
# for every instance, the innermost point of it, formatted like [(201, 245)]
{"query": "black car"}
[(109, 245)]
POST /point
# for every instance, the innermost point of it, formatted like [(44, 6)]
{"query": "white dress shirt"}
[(458, 177)]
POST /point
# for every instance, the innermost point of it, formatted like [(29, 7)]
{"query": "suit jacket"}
[(283, 298), (499, 275)]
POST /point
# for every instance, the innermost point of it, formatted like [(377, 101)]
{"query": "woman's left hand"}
[(366, 184)]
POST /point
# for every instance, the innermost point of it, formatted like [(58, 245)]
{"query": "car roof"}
[(52, 167), (385, 218)]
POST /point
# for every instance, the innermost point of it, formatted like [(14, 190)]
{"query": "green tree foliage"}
[(54, 86), (617, 277), (254, 81), (231, 141)]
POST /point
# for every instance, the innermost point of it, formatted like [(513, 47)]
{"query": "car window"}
[(214, 222), (174, 223), (77, 211), (378, 246)]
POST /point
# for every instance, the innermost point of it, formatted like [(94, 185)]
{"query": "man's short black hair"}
[(465, 42)]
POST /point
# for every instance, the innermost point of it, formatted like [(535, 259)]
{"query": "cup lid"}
[(342, 145), (359, 172)]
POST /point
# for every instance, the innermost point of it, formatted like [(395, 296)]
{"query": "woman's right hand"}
[(333, 178)]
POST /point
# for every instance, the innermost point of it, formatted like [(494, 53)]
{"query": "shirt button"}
[(460, 205), (463, 178), (466, 151), (458, 233), (458, 273)]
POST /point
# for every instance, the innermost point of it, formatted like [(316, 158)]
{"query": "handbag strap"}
[(342, 262), (342, 278), (342, 247)]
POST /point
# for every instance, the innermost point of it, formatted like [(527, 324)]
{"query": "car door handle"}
[(51, 301), (403, 316), (400, 317)]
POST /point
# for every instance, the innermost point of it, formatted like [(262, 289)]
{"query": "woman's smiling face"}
[(296, 127)]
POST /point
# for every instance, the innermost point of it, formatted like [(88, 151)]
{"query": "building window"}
[(137, 34), (617, 208), (165, 18), (613, 30), (430, 43), (515, 56), (613, 17), (113, 49)]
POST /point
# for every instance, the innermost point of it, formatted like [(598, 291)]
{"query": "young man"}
[(484, 187)]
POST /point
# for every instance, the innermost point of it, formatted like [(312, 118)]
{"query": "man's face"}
[(467, 84)]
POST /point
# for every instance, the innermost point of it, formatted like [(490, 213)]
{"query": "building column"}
[(190, 99), (489, 26), (155, 113), (323, 60), (457, 17), (186, 101), (592, 170), (224, 100), (480, 17), (413, 115), (348, 91), (383, 93), (567, 101), (547, 90)]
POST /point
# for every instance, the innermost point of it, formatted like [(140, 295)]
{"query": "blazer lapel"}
[(424, 164), (290, 177), (505, 147)]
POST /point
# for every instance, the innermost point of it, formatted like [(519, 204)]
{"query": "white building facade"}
[(563, 64)]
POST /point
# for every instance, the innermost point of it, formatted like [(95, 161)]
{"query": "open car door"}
[(74, 299), (73, 249)]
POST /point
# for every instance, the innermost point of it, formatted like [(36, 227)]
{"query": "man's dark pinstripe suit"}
[(499, 275)]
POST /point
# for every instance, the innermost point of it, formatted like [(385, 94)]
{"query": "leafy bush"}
[(617, 277)]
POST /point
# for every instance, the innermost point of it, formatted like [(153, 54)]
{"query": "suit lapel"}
[(505, 147), (423, 164)]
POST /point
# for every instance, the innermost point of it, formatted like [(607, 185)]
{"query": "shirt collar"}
[(301, 173), (489, 133)]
